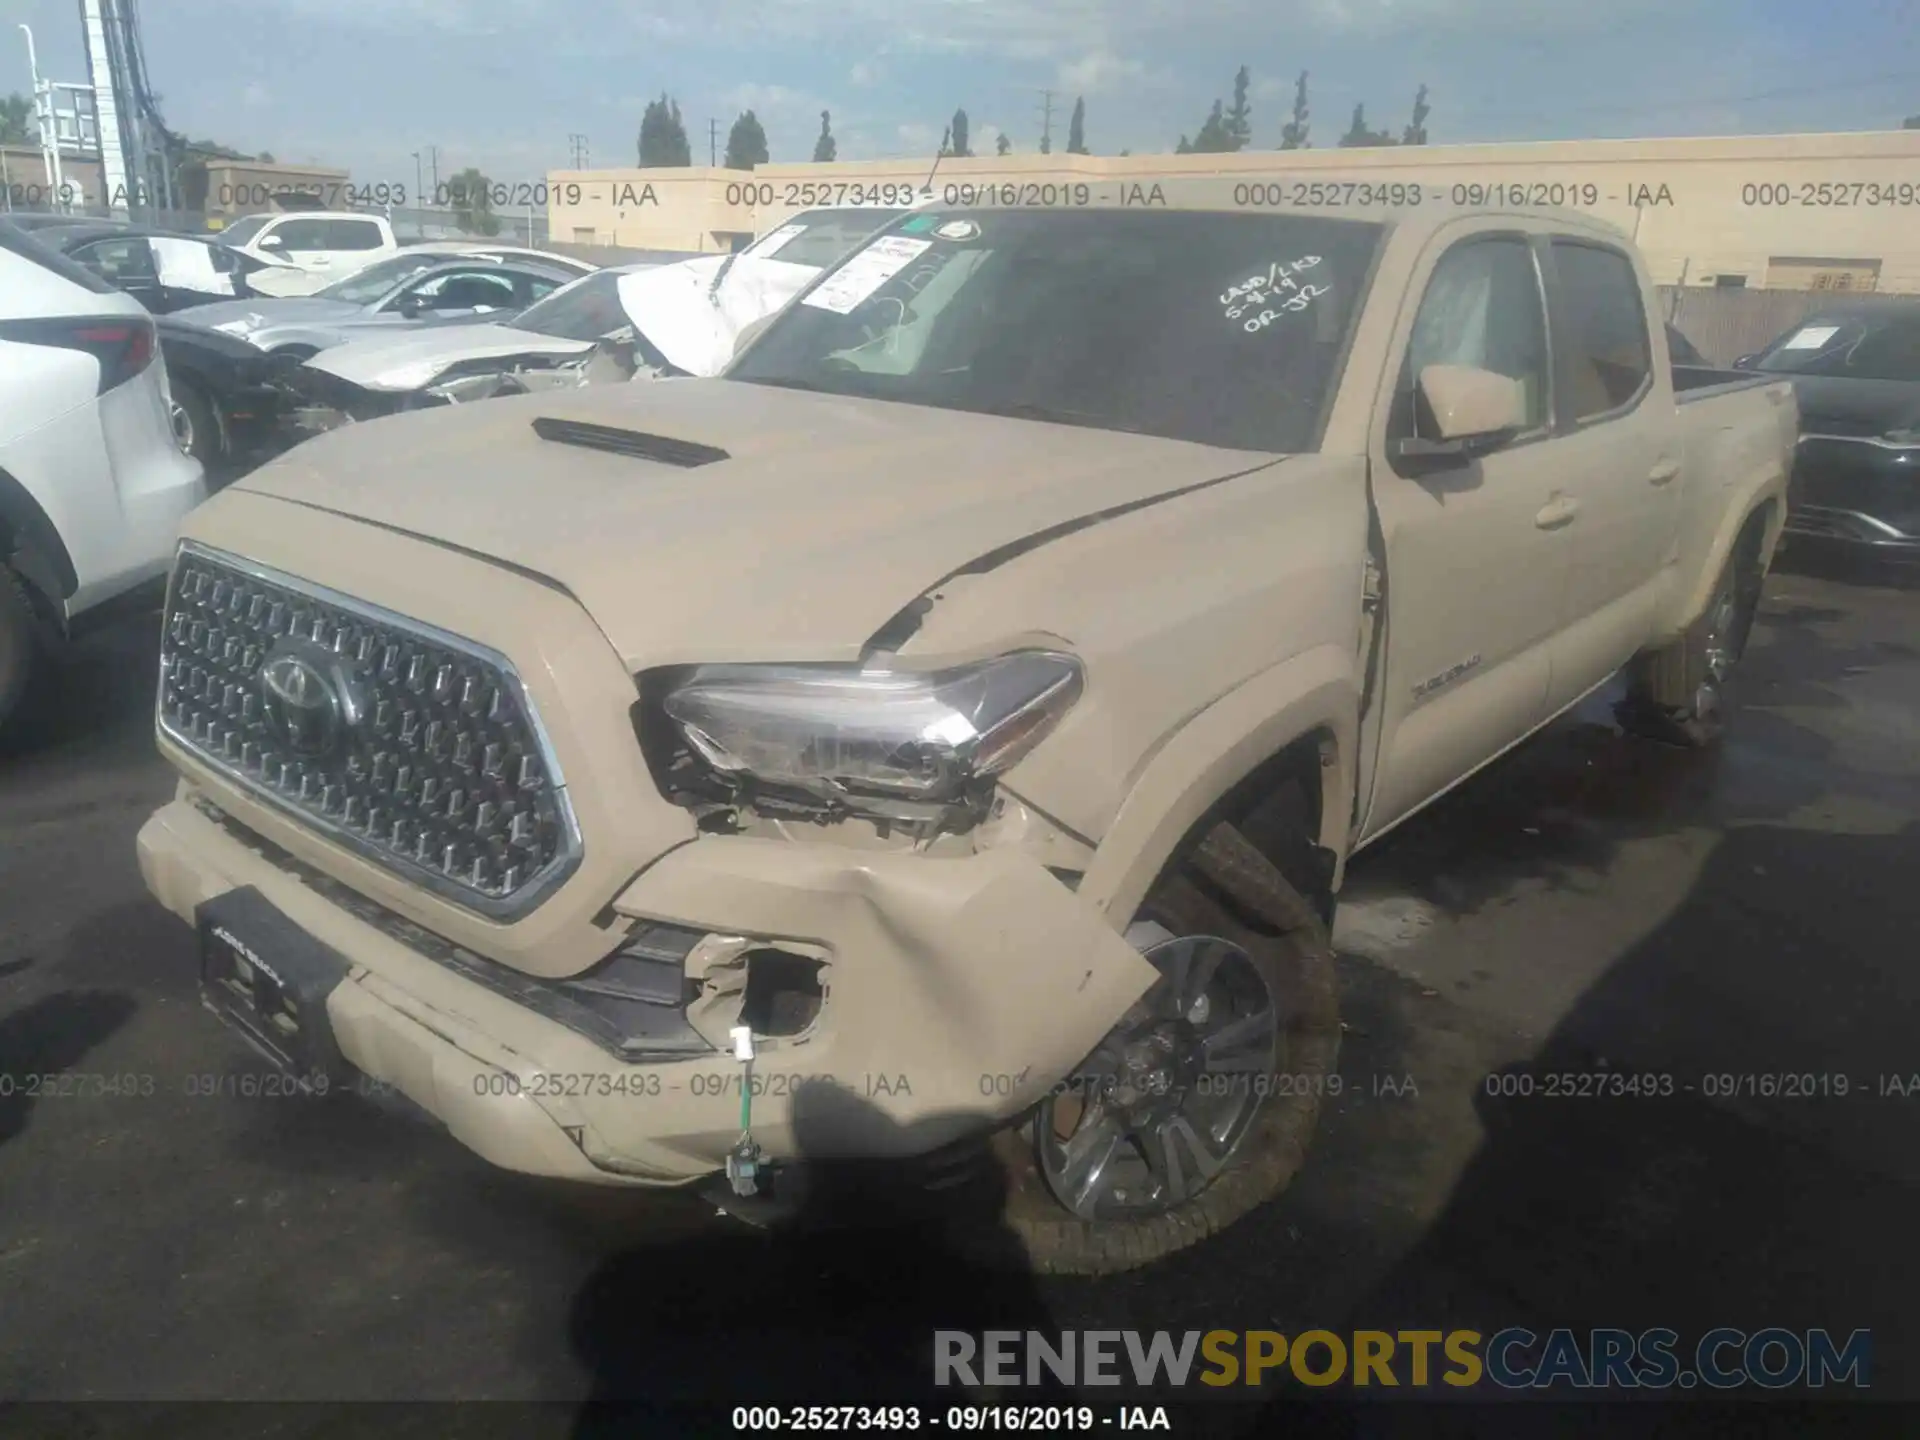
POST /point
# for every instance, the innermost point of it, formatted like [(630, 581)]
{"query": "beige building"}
[(1829, 211)]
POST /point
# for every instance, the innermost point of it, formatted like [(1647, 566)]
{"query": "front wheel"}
[(1198, 1106)]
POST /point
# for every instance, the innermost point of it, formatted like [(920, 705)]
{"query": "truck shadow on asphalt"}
[(43, 1042), (818, 1312), (1767, 1177)]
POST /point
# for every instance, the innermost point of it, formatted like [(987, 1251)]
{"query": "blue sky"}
[(502, 83)]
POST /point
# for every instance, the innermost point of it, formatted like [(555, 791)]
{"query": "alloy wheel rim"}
[(1166, 1100), (1718, 647)]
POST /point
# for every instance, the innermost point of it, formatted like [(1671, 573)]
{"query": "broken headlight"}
[(895, 744)]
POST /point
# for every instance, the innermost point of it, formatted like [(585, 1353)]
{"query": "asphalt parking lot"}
[(1591, 902)]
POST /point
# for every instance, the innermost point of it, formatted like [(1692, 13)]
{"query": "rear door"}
[(1476, 554), (1617, 454), (351, 244)]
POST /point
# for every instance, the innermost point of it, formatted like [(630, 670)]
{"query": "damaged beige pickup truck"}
[(940, 739)]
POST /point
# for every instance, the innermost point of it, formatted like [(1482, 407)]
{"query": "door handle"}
[(1663, 472), (1557, 512)]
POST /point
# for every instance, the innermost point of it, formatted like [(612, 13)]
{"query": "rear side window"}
[(301, 235), (19, 242), (1606, 354), (352, 234)]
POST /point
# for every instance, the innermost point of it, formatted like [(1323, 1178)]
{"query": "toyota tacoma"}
[(943, 735)]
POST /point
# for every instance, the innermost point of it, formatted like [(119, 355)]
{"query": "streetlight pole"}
[(43, 120)]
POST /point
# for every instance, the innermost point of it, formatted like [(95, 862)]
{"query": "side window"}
[(302, 236), (536, 287), (467, 290), (352, 234), (1888, 352), (1482, 308), (118, 260), (1607, 357)]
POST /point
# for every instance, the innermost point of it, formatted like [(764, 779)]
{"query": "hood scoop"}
[(686, 454)]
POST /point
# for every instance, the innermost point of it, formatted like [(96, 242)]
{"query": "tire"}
[(991, 1201), (1679, 695), (21, 651), (295, 354), (202, 429), (1228, 891)]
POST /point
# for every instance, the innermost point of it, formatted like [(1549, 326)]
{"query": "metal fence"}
[(1726, 324)]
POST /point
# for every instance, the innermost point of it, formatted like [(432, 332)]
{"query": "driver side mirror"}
[(1745, 362), (271, 242), (1474, 412), (411, 305)]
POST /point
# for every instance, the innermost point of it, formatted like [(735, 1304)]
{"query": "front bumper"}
[(1860, 493), (957, 991)]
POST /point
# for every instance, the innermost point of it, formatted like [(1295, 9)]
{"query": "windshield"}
[(1850, 347), (1217, 328), (584, 309), (821, 237), (241, 231), (363, 287)]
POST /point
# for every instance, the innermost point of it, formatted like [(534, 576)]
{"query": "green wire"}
[(746, 1097)]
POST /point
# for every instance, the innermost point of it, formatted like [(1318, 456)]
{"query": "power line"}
[(1701, 101)]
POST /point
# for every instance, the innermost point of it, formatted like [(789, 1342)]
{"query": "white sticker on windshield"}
[(1812, 338), (865, 273), (1261, 299), (773, 240)]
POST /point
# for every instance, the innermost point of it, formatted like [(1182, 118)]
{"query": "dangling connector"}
[(744, 1166)]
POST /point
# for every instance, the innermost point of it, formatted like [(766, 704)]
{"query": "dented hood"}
[(828, 515)]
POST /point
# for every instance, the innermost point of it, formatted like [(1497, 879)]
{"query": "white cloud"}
[(861, 73), (1098, 71), (256, 93)]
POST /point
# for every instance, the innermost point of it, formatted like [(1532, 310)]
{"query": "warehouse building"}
[(1795, 212)]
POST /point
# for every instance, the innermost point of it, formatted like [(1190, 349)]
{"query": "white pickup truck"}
[(943, 737), (308, 250)]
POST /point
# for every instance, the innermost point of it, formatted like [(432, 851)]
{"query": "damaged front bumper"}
[(898, 1001), (318, 400)]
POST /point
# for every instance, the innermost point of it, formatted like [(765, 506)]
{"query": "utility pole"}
[(578, 144), (713, 143), (1046, 122), (433, 163)]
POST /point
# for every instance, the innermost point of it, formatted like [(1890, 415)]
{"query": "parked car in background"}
[(92, 482), (626, 323), (1856, 474), (446, 289), (443, 248), (318, 247), (36, 221), (990, 675), (629, 321), (164, 270), (228, 408)]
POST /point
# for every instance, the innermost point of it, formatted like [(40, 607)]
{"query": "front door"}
[(1476, 554)]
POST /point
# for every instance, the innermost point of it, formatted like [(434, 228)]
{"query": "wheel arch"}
[(31, 542), (1291, 731)]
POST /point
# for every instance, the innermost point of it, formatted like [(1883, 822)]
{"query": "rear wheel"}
[(194, 425), (21, 652), (1199, 1104), (1679, 694)]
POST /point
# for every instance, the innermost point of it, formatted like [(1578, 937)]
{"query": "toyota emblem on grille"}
[(309, 699)]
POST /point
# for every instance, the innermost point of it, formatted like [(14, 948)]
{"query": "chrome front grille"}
[(408, 745)]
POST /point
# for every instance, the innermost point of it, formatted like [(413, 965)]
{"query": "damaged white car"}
[(642, 321)]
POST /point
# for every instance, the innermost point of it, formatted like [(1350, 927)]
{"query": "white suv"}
[(315, 247), (93, 484)]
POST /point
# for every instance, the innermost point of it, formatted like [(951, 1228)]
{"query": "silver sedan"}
[(409, 290)]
